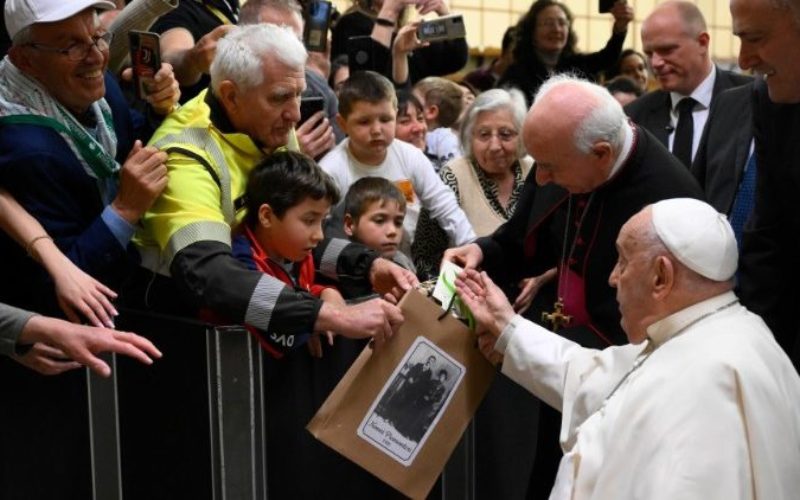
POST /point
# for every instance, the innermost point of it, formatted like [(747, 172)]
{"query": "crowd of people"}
[(608, 209)]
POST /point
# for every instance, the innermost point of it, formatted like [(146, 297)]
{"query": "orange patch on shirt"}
[(406, 188)]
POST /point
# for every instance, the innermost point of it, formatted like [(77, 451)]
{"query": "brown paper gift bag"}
[(400, 413)]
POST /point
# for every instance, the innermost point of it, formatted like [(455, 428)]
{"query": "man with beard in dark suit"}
[(769, 273), (676, 42)]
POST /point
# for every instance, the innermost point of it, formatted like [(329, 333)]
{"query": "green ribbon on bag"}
[(456, 303)]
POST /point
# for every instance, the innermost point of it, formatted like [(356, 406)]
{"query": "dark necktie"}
[(745, 199), (684, 132)]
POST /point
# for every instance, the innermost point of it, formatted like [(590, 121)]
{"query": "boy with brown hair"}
[(367, 113), (374, 210)]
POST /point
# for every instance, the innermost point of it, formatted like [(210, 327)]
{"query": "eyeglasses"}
[(504, 134), (553, 23), (79, 50)]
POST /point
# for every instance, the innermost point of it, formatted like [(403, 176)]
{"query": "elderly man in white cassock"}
[(702, 404)]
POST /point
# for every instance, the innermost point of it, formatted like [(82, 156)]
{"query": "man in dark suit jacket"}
[(725, 147), (770, 262), (676, 42)]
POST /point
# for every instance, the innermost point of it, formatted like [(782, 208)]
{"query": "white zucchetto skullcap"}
[(698, 236)]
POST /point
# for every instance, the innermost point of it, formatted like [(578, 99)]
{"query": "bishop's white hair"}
[(241, 52), (605, 122)]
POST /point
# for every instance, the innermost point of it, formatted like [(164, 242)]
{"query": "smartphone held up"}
[(145, 59), (309, 106), (318, 19), (442, 28)]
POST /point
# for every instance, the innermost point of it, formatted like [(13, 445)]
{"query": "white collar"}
[(666, 328), (702, 93)]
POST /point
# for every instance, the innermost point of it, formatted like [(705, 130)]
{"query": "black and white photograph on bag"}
[(412, 401)]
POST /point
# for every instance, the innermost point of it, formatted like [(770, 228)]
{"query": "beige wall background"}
[(487, 20)]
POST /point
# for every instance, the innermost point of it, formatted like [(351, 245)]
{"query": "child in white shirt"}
[(367, 113), (442, 104)]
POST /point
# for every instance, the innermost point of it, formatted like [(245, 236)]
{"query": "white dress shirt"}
[(703, 94)]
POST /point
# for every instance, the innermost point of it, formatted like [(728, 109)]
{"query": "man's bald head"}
[(688, 16)]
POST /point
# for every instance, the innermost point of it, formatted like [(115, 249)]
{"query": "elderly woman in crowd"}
[(487, 180), (546, 45)]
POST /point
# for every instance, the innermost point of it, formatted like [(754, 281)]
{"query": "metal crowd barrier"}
[(193, 424)]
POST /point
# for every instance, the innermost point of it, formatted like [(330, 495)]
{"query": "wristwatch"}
[(382, 21)]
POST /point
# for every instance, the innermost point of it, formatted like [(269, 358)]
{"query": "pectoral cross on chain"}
[(557, 318)]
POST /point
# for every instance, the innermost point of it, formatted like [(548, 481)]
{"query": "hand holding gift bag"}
[(400, 412)]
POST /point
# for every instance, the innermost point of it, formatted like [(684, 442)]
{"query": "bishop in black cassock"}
[(576, 233)]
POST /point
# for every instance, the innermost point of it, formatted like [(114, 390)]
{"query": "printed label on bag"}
[(412, 401)]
